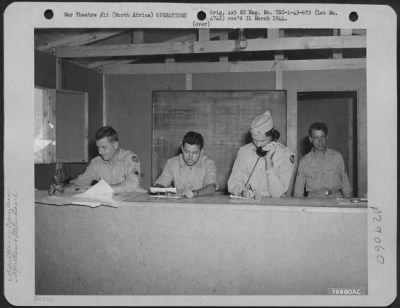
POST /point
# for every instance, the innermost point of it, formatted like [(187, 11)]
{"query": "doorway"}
[(339, 111)]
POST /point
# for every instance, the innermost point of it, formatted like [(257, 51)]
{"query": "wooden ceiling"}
[(96, 48)]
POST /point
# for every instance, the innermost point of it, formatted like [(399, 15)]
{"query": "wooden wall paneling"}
[(71, 126), (45, 70), (129, 111), (90, 81)]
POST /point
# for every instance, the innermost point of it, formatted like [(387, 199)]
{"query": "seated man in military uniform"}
[(321, 172), (118, 167), (192, 173), (264, 167)]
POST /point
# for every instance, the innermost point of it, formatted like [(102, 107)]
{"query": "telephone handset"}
[(260, 152)]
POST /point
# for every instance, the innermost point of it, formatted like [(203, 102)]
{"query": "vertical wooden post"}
[(188, 84), (338, 54), (224, 36), (59, 74), (104, 100), (350, 103), (86, 128), (137, 37), (204, 35), (275, 34)]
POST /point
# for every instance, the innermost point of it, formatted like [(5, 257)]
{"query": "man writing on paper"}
[(118, 167), (321, 172), (192, 173), (264, 167)]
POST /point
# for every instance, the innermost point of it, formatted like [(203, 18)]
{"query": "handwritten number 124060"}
[(378, 233)]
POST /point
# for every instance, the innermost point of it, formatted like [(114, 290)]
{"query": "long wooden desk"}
[(204, 246)]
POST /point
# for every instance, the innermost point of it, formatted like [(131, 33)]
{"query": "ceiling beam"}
[(188, 37), (101, 63), (243, 66), (78, 40), (193, 37), (168, 48)]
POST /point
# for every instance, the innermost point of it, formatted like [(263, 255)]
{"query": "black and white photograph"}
[(206, 163)]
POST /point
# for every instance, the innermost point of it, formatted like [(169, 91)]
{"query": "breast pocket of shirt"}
[(313, 177), (334, 174)]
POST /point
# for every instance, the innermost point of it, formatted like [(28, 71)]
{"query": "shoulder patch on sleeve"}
[(291, 157), (134, 158)]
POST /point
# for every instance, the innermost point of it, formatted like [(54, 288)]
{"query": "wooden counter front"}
[(205, 246)]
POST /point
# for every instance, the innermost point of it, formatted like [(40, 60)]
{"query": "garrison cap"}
[(261, 124)]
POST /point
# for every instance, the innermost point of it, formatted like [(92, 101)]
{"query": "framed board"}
[(222, 117)]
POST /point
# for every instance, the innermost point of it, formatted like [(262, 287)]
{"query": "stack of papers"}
[(99, 194)]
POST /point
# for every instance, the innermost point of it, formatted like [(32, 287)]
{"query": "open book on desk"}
[(164, 193), (163, 190)]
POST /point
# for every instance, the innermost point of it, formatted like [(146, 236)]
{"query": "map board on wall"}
[(222, 117)]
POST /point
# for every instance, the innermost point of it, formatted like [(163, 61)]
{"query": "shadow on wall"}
[(92, 149), (44, 173), (305, 146), (247, 138)]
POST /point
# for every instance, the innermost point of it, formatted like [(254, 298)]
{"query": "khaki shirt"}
[(124, 169), (177, 173), (273, 182), (319, 175)]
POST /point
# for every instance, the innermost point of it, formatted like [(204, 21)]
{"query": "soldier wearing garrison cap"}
[(264, 167), (118, 167)]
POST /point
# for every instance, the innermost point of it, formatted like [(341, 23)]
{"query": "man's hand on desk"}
[(56, 189), (244, 191), (187, 192), (69, 188), (248, 192)]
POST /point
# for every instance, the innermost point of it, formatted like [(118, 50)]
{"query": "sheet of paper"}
[(102, 188)]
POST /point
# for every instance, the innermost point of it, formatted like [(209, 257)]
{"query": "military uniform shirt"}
[(273, 182), (124, 169), (318, 175), (176, 172)]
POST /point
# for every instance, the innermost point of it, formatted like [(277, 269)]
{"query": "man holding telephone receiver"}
[(264, 167)]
